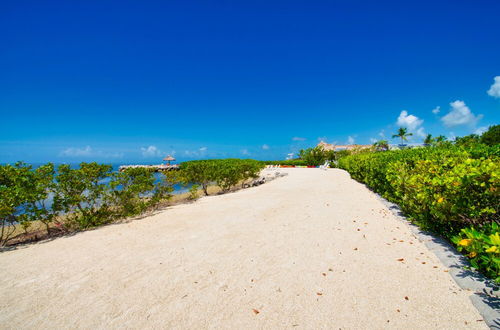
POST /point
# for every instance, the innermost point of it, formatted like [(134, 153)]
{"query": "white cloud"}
[(382, 134), (373, 140), (265, 147), (296, 138), (413, 123), (460, 114), (203, 149), (350, 140), (322, 139), (290, 155), (409, 121), (245, 152), (76, 152), (436, 110), (151, 151), (495, 88), (481, 130)]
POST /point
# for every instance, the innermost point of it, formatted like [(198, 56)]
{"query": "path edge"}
[(486, 294)]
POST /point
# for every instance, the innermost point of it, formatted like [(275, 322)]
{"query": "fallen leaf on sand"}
[(406, 298), (324, 274), (255, 311), (423, 262), (319, 293), (355, 249), (401, 259)]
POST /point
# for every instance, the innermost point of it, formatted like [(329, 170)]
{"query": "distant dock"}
[(156, 168)]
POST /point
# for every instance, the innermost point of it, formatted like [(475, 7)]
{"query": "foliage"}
[(467, 141), (482, 246), (81, 194), (492, 136), (14, 194), (128, 189), (402, 134), (226, 173), (381, 145), (445, 188), (76, 198), (193, 192), (428, 140), (316, 156)]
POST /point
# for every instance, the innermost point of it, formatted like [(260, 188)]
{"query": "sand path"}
[(312, 250)]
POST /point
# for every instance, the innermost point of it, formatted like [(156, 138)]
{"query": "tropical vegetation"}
[(68, 199)]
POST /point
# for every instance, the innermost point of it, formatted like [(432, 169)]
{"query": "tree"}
[(467, 141), (402, 134), (83, 192), (440, 139), (491, 136), (428, 140), (381, 145), (313, 156)]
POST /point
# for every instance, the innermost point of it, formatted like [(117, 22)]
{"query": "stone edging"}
[(486, 295)]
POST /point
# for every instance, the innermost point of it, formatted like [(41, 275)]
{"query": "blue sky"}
[(130, 81)]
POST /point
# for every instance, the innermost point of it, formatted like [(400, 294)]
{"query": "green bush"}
[(83, 197), (226, 173), (443, 189), (492, 136), (482, 247)]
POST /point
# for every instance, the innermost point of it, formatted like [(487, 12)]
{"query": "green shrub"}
[(128, 189), (492, 136), (193, 192), (82, 194), (482, 246), (226, 173)]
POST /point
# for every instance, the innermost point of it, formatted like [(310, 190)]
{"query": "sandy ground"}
[(312, 250)]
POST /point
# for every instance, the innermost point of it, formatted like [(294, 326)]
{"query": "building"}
[(335, 147)]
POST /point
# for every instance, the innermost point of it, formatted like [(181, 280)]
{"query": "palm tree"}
[(441, 139), (402, 134), (428, 140)]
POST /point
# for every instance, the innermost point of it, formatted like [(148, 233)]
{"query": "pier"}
[(156, 168)]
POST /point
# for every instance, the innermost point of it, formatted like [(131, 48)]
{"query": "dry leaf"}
[(324, 274), (401, 259), (255, 311), (319, 293), (406, 298)]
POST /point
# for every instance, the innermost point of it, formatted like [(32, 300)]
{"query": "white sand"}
[(311, 250)]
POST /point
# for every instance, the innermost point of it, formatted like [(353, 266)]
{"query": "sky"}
[(132, 81)]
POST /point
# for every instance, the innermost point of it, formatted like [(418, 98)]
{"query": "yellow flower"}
[(472, 254), (465, 242), (492, 249), (440, 199)]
